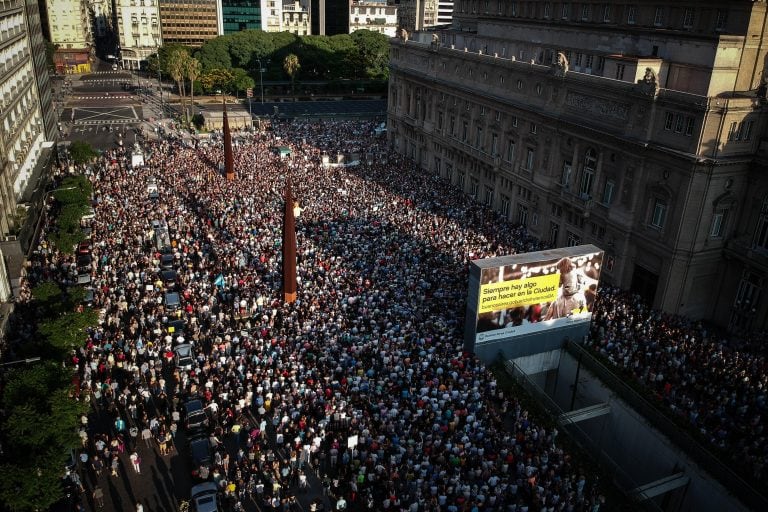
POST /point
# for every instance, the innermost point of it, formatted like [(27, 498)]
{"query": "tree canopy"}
[(82, 152), (363, 54)]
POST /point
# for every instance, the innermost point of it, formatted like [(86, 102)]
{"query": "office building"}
[(636, 126), (445, 11), (138, 30), (329, 17), (101, 17), (24, 144), (191, 22), (374, 15), (238, 15)]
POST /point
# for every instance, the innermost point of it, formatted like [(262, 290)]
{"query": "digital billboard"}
[(530, 293)]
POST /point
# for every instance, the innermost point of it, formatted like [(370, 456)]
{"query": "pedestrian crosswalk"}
[(107, 121), (110, 97)]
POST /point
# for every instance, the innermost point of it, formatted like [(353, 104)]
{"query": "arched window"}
[(588, 173)]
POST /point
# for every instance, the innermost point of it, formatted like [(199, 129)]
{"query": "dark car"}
[(168, 277), (195, 417), (183, 356), (172, 301), (84, 263), (201, 457), (166, 262)]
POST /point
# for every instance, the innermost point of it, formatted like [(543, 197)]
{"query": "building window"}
[(453, 126), (631, 15), (439, 120), (585, 12), (761, 233), (608, 192), (689, 126), (588, 175), (494, 144), (606, 13), (510, 151), (533, 128), (488, 196), (679, 123), (718, 224), (721, 19), (658, 17), (464, 132), (505, 206), (554, 231), (688, 18), (498, 115), (473, 188), (565, 12), (659, 214), (669, 118), (572, 240), (547, 9), (438, 170), (479, 137), (565, 176), (514, 121), (522, 215), (740, 131), (620, 71), (529, 156)]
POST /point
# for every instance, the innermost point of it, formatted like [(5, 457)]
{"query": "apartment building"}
[(138, 29), (69, 22), (24, 143), (238, 15), (636, 126), (374, 15)]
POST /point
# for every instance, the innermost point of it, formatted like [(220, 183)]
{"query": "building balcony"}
[(744, 250), (581, 201)]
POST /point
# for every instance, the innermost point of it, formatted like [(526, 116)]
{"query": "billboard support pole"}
[(576, 382)]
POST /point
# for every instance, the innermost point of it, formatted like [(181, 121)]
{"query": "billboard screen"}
[(533, 292)]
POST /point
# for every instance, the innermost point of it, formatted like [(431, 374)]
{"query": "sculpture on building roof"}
[(561, 65), (649, 84), (404, 35)]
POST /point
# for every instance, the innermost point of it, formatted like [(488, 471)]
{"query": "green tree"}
[(177, 66), (214, 54), (372, 54), (218, 78), (82, 152), (291, 66), (50, 52), (68, 331), (40, 427), (241, 80)]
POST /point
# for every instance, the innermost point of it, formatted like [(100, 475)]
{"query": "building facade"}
[(374, 15), (101, 17), (329, 17), (190, 22), (238, 15), (416, 14), (633, 126), (22, 125), (445, 12), (70, 24), (138, 29)]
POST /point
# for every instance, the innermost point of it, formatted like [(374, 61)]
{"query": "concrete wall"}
[(641, 452)]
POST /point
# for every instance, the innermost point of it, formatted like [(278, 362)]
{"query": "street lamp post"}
[(261, 80)]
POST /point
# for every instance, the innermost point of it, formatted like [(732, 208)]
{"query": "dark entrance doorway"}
[(644, 283)]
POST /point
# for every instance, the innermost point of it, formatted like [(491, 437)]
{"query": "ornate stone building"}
[(636, 126)]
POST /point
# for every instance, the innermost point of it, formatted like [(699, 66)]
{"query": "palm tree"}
[(292, 66), (176, 66), (193, 69)]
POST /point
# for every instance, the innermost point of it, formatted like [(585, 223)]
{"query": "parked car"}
[(166, 262), (200, 456), (205, 497), (183, 356), (172, 301), (194, 416), (169, 278), (84, 263)]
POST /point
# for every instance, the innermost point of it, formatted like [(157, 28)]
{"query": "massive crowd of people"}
[(716, 383), (362, 380)]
